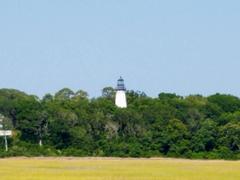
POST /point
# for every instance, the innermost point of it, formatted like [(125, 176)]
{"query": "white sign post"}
[(4, 133)]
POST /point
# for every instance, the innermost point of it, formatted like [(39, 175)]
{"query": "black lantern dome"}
[(120, 85)]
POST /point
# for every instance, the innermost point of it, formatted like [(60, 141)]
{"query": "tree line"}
[(72, 124)]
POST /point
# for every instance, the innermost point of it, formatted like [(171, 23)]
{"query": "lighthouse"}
[(120, 99)]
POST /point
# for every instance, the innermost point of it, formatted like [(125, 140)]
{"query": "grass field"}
[(116, 169)]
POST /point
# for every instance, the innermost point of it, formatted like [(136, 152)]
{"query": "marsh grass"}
[(117, 169)]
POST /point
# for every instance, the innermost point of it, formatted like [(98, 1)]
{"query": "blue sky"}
[(186, 47)]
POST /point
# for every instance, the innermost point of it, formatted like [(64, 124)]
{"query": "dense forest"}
[(72, 124)]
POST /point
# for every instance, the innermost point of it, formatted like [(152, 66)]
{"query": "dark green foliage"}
[(70, 124)]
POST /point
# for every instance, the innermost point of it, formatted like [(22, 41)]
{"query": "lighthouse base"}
[(121, 100)]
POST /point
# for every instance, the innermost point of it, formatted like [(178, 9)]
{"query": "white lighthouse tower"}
[(120, 99)]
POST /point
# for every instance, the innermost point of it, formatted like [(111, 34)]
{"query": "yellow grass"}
[(116, 169)]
